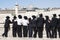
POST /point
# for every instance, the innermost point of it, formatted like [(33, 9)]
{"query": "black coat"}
[(14, 23), (32, 23), (7, 25), (40, 22), (54, 22), (58, 23), (47, 23)]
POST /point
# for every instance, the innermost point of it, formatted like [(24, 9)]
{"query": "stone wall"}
[(4, 13)]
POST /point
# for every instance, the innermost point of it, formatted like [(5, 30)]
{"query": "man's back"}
[(54, 22), (40, 21)]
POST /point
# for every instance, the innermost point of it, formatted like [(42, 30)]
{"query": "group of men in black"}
[(30, 27)]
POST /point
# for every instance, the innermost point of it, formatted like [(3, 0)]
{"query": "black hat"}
[(54, 15), (7, 17), (14, 17), (25, 17), (47, 16), (40, 15), (59, 15), (33, 16), (29, 18), (19, 16)]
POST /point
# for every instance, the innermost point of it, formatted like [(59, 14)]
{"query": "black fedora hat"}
[(33, 16), (59, 15), (46, 16), (7, 17), (54, 14), (19, 16), (25, 17), (40, 15), (14, 17)]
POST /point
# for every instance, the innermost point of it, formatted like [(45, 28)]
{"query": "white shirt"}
[(25, 22), (19, 21)]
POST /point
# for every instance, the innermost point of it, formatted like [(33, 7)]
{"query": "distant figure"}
[(34, 27), (40, 25), (30, 27), (54, 26), (19, 26), (25, 23), (6, 26), (47, 27), (14, 27), (58, 26)]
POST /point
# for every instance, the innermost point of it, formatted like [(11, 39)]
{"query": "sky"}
[(26, 3)]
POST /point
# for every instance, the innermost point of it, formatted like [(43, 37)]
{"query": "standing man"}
[(6, 26), (54, 26), (47, 27), (19, 26), (25, 26), (32, 26), (58, 27), (14, 27), (40, 25)]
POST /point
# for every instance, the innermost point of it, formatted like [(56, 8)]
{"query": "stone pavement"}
[(11, 38)]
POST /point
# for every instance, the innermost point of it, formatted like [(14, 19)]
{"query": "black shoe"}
[(3, 35)]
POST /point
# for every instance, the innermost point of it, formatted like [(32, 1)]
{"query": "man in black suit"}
[(47, 26), (54, 22), (32, 26), (6, 26), (58, 26), (40, 25), (14, 27)]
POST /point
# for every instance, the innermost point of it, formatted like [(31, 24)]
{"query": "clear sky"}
[(25, 3)]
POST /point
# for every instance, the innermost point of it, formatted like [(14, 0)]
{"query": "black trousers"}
[(25, 31), (54, 32), (30, 31), (58, 31), (48, 32), (6, 29), (40, 32), (35, 32), (19, 31), (14, 31)]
